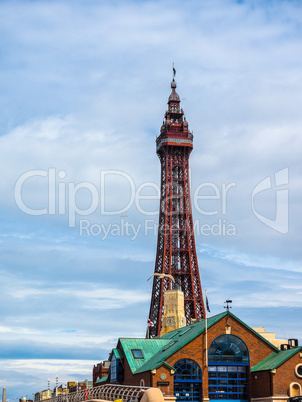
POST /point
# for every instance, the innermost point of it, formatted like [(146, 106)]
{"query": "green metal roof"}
[(157, 350), (103, 379), (176, 340), (276, 359), (217, 318), (149, 348), (118, 353)]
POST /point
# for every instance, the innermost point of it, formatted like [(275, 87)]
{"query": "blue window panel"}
[(137, 353), (187, 370), (187, 391), (114, 366), (228, 369), (225, 383), (228, 349), (187, 381), (116, 370)]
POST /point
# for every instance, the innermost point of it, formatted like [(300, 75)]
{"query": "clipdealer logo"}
[(62, 199), (280, 223)]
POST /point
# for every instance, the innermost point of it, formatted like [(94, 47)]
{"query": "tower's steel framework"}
[(176, 253)]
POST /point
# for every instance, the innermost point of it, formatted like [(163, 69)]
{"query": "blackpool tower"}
[(176, 252)]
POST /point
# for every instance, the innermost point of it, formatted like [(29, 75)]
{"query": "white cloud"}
[(37, 372), (260, 261), (5, 329), (94, 297)]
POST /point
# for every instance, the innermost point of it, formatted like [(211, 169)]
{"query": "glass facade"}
[(116, 370), (228, 349), (228, 369), (187, 381)]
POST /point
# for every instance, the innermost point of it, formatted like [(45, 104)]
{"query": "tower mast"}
[(176, 252)]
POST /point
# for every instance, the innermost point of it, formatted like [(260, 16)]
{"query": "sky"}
[(83, 90)]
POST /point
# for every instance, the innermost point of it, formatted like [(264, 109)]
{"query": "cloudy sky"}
[(83, 91)]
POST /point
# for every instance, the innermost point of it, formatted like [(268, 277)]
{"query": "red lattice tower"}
[(176, 252)]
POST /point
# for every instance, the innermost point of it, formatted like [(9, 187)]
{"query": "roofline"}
[(199, 333), (145, 339), (168, 365), (255, 332), (162, 343), (222, 315), (102, 379), (219, 317), (294, 350)]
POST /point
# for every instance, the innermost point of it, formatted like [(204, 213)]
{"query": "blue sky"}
[(83, 91)]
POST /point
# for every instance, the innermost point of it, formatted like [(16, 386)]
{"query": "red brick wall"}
[(131, 379), (285, 375), (194, 350), (167, 389), (260, 384), (99, 371), (258, 349)]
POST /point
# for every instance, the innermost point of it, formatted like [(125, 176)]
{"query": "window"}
[(187, 369), (298, 370), (228, 382), (187, 381), (170, 344), (228, 349), (188, 329), (228, 369), (295, 389), (172, 336), (137, 353), (116, 370)]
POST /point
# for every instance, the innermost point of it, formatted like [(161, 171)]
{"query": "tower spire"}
[(176, 253)]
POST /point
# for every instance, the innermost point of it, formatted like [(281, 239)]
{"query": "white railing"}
[(107, 392)]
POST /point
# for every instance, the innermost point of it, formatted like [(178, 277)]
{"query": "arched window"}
[(294, 389), (228, 349), (228, 369), (187, 369), (187, 380)]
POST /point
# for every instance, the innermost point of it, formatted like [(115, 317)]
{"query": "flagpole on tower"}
[(174, 71)]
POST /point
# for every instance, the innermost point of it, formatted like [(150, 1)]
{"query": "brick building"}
[(100, 370), (221, 358)]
